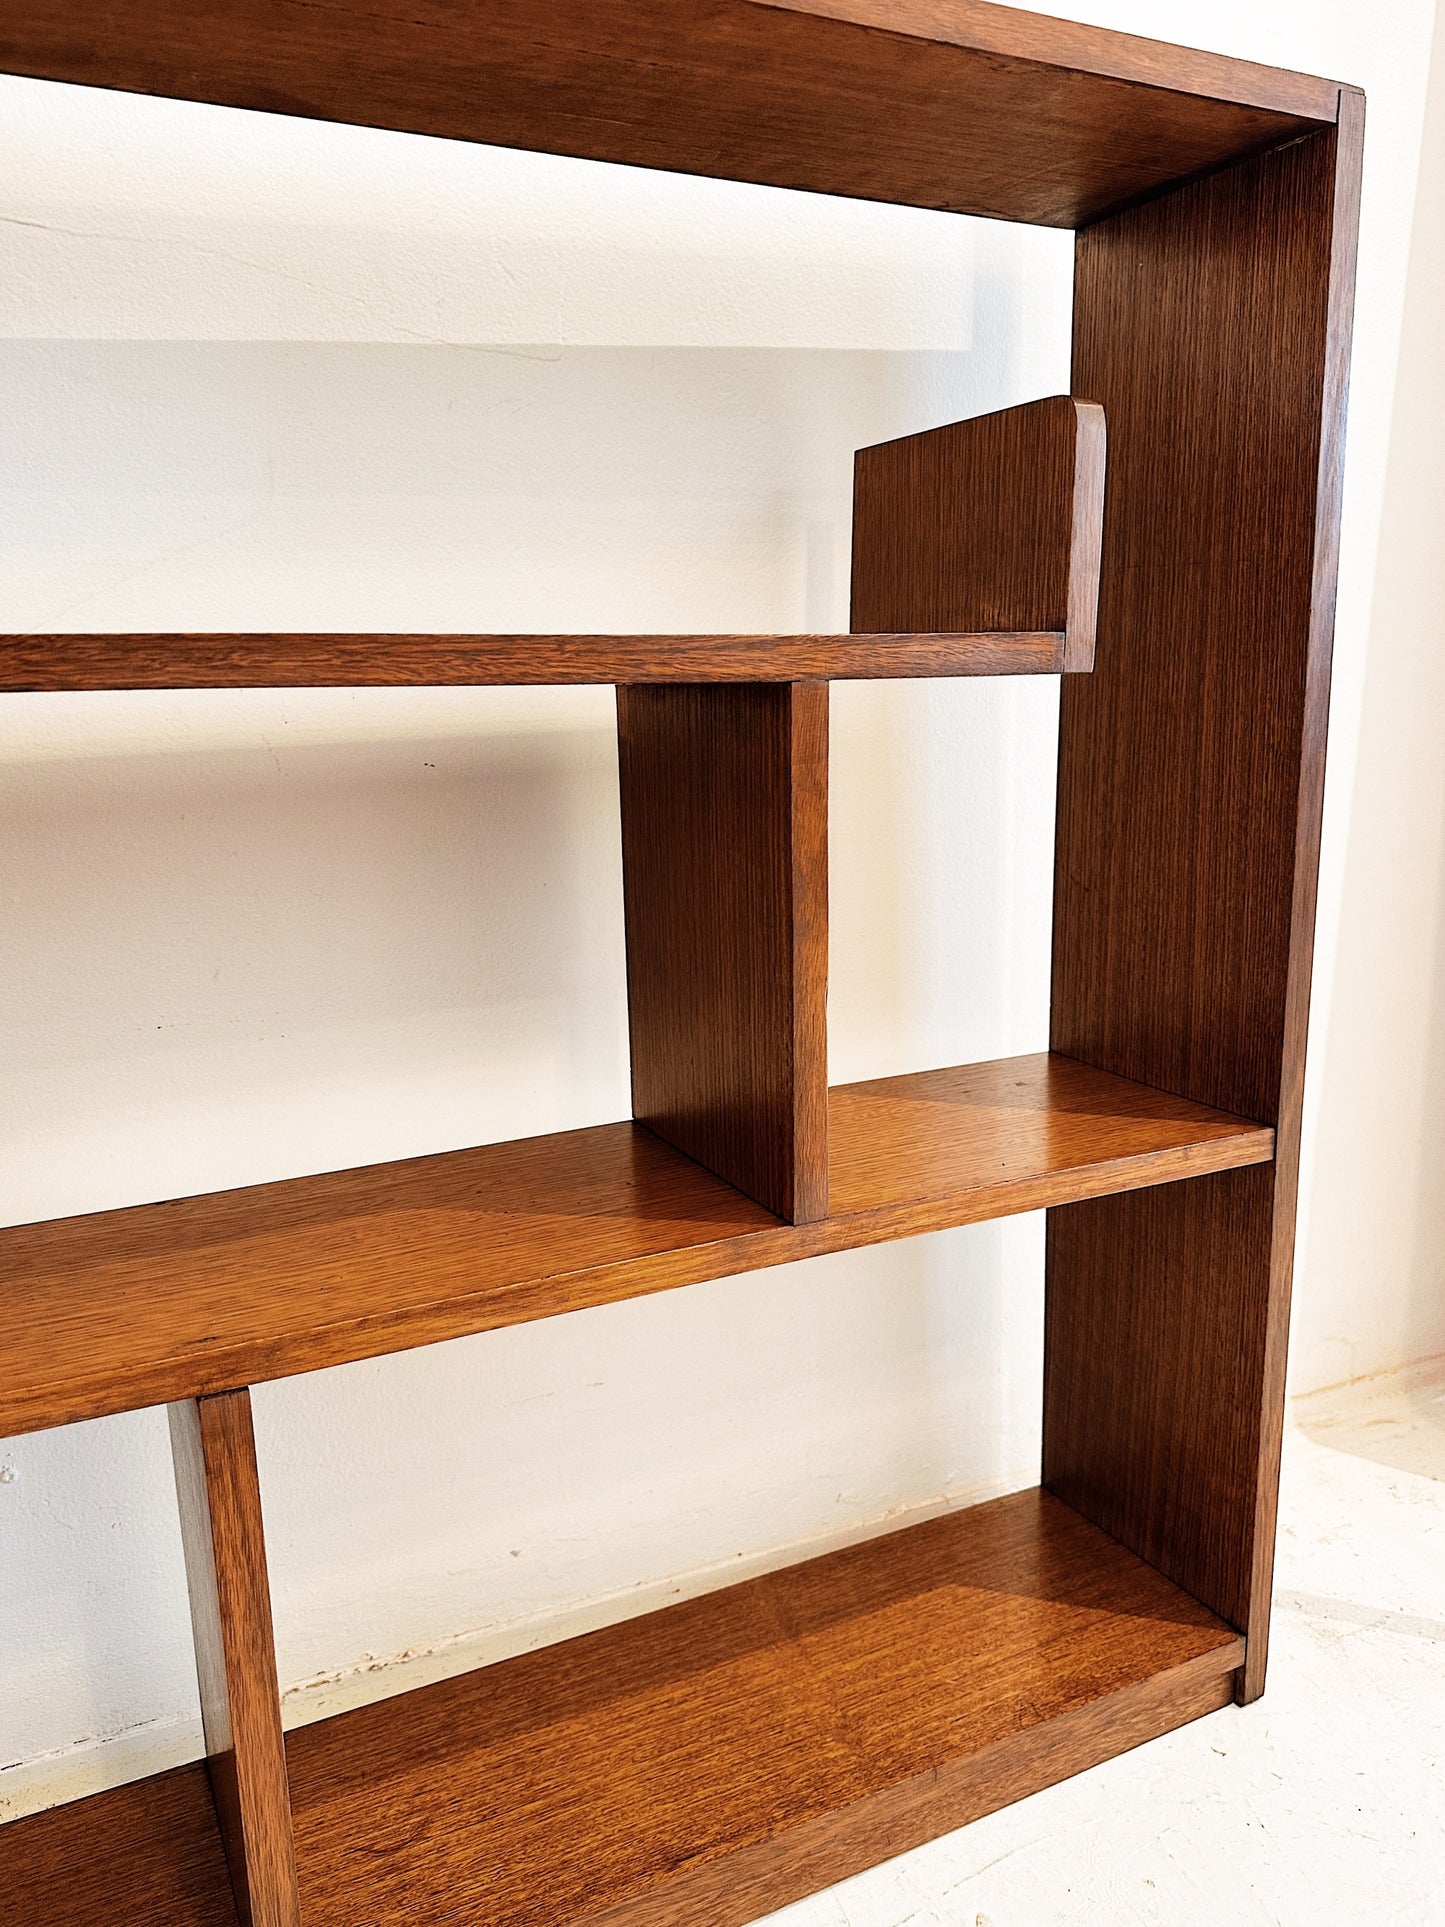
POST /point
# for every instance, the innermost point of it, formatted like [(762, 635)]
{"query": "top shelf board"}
[(949, 104)]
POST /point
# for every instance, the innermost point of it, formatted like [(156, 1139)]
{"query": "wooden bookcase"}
[(709, 1763)]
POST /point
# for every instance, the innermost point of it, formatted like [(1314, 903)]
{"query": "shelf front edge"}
[(30, 664)]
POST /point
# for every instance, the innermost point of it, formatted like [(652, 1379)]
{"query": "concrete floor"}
[(1324, 1803)]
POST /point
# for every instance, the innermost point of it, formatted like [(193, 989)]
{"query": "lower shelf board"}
[(695, 1768)]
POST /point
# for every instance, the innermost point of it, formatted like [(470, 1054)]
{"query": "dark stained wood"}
[(58, 662), (712, 1763), (725, 878), (967, 107), (993, 521), (219, 1491), (1214, 327), (1019, 35), (707, 1764), (130, 1308)]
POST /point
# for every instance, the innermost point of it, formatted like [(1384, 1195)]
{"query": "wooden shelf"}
[(709, 1764), (58, 662), (127, 1308), (974, 108), (705, 1764)]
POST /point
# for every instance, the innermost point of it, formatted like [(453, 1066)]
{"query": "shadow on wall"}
[(248, 962), (261, 934)]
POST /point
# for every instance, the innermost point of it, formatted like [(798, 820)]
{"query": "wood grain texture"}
[(1191, 772), (725, 883), (707, 1764), (971, 108), (129, 1308), (156, 1842), (59, 662), (1016, 34), (984, 524), (219, 1492)]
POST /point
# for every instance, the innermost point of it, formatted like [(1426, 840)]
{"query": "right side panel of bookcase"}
[(1214, 326)]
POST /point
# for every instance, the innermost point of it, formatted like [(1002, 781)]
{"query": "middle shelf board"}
[(121, 1309), (327, 661)]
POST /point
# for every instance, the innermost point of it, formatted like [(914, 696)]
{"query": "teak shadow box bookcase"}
[(706, 1764)]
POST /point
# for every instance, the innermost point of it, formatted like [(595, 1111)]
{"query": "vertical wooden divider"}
[(725, 868), (1213, 324), (214, 1450)]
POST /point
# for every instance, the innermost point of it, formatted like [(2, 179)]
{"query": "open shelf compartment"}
[(704, 1764)]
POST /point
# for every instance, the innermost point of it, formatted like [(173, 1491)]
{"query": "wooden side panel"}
[(725, 863), (1214, 327), (993, 523), (214, 1450)]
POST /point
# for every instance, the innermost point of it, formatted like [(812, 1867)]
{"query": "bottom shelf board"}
[(695, 1768)]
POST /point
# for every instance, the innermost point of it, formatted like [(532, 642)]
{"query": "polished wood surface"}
[(985, 523), (707, 1764), (725, 880), (968, 107), (155, 1842), (1015, 34), (218, 1488), (1191, 770), (58, 662), (167, 1301)]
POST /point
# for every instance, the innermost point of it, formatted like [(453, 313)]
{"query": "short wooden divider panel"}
[(725, 873), (700, 1766), (991, 523)]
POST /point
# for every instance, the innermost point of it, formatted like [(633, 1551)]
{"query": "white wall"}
[(1374, 1242), (262, 374)]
